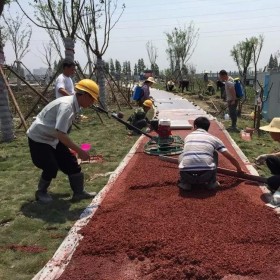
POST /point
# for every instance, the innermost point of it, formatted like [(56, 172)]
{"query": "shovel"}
[(220, 170)]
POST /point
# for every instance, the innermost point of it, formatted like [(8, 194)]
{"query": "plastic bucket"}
[(85, 147)]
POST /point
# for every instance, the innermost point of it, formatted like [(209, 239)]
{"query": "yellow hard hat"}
[(148, 103), (88, 86)]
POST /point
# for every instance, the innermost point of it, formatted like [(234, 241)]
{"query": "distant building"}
[(40, 71)]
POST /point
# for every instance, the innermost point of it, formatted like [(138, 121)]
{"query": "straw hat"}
[(274, 126), (151, 79)]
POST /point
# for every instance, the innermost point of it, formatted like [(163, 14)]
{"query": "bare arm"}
[(66, 140), (233, 160), (63, 91), (262, 158)]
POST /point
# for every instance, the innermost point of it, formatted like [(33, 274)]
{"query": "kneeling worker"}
[(199, 159), (272, 160), (49, 142), (139, 117)]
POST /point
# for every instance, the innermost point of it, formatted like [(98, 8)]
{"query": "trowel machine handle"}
[(129, 126), (118, 116)]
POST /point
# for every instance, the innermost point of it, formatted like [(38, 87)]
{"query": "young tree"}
[(98, 18), (257, 48), (61, 16), (6, 119), (181, 45), (118, 68), (112, 67), (135, 71), (152, 54), (271, 62), (141, 66), (242, 54), (19, 35), (48, 59)]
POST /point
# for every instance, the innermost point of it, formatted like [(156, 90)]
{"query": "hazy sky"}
[(221, 24)]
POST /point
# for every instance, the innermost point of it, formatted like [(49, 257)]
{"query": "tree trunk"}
[(69, 44), (101, 81), (6, 119)]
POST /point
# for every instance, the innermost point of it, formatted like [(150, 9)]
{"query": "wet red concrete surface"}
[(146, 228)]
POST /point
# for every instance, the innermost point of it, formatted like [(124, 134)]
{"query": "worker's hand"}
[(148, 130), (83, 155), (240, 170), (261, 159)]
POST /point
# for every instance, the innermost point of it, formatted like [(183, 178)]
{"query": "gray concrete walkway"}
[(179, 110)]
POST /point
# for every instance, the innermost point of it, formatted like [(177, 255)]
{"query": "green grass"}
[(260, 144), (25, 222)]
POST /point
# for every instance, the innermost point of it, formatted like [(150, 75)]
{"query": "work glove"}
[(261, 159)]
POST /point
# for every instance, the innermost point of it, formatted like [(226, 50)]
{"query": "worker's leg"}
[(43, 157), (233, 115), (68, 164), (273, 163), (185, 181)]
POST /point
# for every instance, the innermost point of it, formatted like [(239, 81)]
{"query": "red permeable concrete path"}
[(146, 228)]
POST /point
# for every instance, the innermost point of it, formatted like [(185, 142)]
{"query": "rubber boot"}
[(41, 194), (77, 186)]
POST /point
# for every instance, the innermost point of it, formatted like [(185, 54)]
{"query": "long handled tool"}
[(224, 171), (118, 117)]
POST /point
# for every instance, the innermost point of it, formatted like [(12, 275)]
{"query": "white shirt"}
[(198, 151), (63, 82), (57, 115)]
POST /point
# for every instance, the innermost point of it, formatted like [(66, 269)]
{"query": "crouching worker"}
[(199, 160), (272, 160), (139, 117), (49, 142)]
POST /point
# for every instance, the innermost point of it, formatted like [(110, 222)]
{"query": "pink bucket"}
[(86, 147)]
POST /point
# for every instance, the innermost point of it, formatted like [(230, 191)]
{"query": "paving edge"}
[(57, 264)]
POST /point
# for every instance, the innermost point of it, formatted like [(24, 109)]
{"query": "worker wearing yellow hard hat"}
[(50, 143), (139, 117)]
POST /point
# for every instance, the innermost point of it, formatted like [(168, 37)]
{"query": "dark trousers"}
[(232, 108), (273, 163), (200, 177), (51, 160)]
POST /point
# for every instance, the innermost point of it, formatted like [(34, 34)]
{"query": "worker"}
[(50, 143), (170, 85), (64, 85), (146, 90), (139, 117), (231, 98), (272, 160), (199, 160)]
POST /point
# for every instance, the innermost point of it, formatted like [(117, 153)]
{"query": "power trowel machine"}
[(163, 144)]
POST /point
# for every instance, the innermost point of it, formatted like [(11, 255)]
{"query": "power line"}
[(196, 23)]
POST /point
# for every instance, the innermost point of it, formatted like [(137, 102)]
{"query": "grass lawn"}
[(31, 232)]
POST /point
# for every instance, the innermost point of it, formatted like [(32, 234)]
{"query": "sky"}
[(220, 24)]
